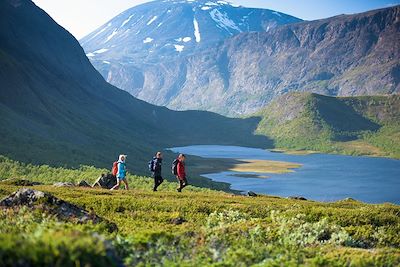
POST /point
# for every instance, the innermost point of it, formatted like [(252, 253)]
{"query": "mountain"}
[(144, 49), (346, 55), (366, 125), (56, 109)]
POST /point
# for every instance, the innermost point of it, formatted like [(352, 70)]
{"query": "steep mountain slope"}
[(55, 108), (357, 125), (143, 50), (346, 55)]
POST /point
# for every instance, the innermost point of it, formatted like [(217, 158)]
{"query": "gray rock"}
[(251, 194), (83, 183), (106, 181), (63, 184), (297, 198), (46, 202)]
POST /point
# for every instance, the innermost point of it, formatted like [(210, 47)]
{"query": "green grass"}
[(221, 229)]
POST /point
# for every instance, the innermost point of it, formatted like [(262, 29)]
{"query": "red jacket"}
[(181, 170)]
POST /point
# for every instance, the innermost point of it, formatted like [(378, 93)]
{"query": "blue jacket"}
[(121, 169)]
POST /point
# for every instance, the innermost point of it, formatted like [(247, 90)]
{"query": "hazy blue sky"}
[(82, 17)]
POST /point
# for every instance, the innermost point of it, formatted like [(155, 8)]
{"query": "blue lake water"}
[(322, 177)]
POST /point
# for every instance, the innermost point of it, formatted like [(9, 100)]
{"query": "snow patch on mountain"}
[(100, 51), (152, 20), (196, 30), (148, 40), (223, 20), (211, 4), (179, 48), (111, 35), (277, 13), (126, 21)]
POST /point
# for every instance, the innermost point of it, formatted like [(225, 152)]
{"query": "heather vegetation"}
[(199, 227)]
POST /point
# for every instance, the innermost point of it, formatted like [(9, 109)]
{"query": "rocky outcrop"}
[(63, 184), (34, 199), (297, 198), (251, 194), (106, 181), (83, 183)]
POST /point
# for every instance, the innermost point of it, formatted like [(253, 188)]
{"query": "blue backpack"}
[(151, 165)]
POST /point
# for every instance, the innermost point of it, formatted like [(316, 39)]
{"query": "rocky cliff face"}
[(346, 55)]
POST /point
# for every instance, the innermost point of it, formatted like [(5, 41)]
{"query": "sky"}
[(82, 17)]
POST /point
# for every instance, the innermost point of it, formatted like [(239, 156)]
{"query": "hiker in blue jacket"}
[(156, 170), (121, 173)]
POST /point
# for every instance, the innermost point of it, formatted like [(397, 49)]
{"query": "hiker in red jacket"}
[(181, 174)]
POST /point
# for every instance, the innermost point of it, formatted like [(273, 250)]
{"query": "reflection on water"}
[(322, 177)]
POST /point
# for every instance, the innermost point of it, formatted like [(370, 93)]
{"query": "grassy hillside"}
[(218, 229), (367, 125)]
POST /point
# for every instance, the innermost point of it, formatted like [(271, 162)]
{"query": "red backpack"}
[(114, 169)]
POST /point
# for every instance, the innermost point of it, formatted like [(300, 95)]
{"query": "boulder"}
[(83, 183), (63, 184), (106, 181), (297, 198), (65, 211), (251, 194)]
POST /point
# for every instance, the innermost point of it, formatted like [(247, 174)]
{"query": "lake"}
[(322, 177)]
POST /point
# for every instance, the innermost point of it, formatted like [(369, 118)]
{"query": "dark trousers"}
[(182, 183), (157, 181)]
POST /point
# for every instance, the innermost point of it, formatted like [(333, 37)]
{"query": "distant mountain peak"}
[(176, 26)]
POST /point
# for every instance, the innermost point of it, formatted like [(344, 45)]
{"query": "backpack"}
[(174, 167), (151, 165), (114, 169)]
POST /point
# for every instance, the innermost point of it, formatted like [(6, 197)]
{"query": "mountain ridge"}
[(346, 55), (141, 53)]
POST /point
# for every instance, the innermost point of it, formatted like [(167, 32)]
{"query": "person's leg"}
[(117, 185), (184, 183), (155, 183), (126, 184), (179, 181), (181, 186)]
